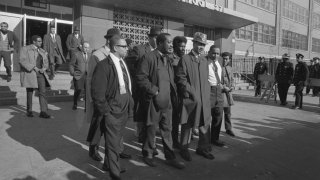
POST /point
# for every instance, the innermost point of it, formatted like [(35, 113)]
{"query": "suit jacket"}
[(227, 81), (301, 74), (150, 79), (260, 68), (73, 44), (284, 73), (48, 45), (28, 59), (13, 41), (194, 105), (79, 65)]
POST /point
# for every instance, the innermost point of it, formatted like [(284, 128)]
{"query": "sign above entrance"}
[(204, 4)]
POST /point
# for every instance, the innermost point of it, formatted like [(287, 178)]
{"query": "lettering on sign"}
[(204, 3)]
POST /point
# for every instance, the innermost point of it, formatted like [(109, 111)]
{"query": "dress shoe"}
[(205, 154), (218, 143), (231, 133), (74, 107), (125, 156), (8, 78), (185, 154), (149, 161), (195, 132), (94, 154), (175, 163), (44, 115), (106, 168), (29, 114), (294, 107)]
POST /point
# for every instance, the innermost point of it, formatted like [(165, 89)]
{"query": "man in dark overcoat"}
[(283, 77), (74, 41), (192, 82), (113, 103), (34, 62), (301, 75), (155, 77), (78, 69), (52, 44), (259, 69), (136, 57)]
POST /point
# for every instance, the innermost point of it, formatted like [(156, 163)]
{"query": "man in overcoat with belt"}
[(52, 44), (155, 77), (34, 62), (192, 82)]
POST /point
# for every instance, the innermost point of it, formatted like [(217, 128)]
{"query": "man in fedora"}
[(284, 74), (300, 77), (138, 53), (95, 133), (192, 81), (74, 41)]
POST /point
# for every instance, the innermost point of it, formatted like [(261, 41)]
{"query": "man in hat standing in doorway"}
[(284, 74), (52, 44), (74, 41), (138, 53), (192, 81), (301, 75)]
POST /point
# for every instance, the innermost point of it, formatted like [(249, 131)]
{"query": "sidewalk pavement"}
[(271, 142)]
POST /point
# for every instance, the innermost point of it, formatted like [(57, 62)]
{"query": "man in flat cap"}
[(284, 74), (139, 105), (95, 131), (192, 81), (301, 75), (74, 41), (259, 69)]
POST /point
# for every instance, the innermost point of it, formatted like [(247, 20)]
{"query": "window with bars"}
[(270, 5), (294, 40), (315, 45), (258, 32), (135, 25), (295, 12), (189, 31)]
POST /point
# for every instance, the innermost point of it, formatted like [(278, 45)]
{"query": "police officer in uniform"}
[(301, 74), (259, 68), (283, 77)]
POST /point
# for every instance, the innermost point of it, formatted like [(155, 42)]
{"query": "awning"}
[(208, 15)]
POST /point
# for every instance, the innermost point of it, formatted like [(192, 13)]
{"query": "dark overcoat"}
[(195, 102), (104, 91), (48, 45), (148, 78), (78, 65)]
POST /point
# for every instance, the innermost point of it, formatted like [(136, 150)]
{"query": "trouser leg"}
[(113, 133), (29, 99), (76, 96), (175, 127), (7, 61), (185, 136), (121, 145), (216, 114), (149, 141), (258, 87), (204, 138), (285, 92), (165, 126), (227, 118), (42, 93)]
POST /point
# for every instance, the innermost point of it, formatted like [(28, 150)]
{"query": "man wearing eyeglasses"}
[(34, 62), (112, 97), (8, 44)]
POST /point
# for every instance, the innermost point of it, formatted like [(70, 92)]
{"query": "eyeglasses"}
[(124, 46), (39, 41), (4, 26)]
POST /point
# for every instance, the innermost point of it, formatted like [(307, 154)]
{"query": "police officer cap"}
[(285, 56), (298, 55), (261, 57)]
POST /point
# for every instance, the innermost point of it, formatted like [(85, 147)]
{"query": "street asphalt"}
[(272, 143)]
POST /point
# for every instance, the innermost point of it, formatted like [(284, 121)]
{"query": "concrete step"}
[(8, 101), (7, 94), (244, 87)]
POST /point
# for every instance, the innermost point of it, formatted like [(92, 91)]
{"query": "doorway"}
[(35, 27), (64, 30)]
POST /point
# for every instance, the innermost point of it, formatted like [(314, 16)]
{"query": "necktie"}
[(124, 73), (216, 72), (53, 38)]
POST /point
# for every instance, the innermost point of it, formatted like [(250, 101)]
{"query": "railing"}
[(243, 68)]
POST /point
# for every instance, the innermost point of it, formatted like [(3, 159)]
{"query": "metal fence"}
[(243, 68)]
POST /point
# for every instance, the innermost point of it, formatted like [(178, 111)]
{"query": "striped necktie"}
[(124, 73)]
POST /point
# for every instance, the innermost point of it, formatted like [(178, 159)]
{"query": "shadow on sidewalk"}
[(26, 178), (61, 137)]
